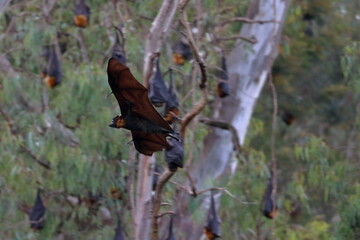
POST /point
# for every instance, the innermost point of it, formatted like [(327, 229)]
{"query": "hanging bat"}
[(175, 156), (288, 118), (155, 176), (119, 235), (172, 103), (158, 91), (212, 228), (269, 208), (181, 53), (37, 213), (170, 234), (149, 130), (223, 89), (52, 70), (81, 14)]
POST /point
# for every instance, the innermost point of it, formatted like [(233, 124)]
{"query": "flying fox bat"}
[(170, 234), (181, 53), (81, 14), (172, 103), (119, 235), (175, 156), (158, 91), (212, 228), (269, 208), (52, 70), (149, 130), (223, 89), (37, 213)]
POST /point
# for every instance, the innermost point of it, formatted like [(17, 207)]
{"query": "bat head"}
[(117, 122)]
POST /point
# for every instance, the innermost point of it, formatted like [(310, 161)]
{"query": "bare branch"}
[(246, 20), (165, 213), (252, 40)]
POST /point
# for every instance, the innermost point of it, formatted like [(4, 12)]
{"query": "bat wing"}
[(148, 143), (128, 90)]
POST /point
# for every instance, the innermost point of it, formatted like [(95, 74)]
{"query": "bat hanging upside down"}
[(148, 128)]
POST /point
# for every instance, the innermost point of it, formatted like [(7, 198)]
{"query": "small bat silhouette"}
[(37, 213), (81, 14), (212, 228), (175, 156), (149, 130), (52, 70), (172, 103), (170, 234), (269, 209), (223, 89), (119, 235), (158, 91)]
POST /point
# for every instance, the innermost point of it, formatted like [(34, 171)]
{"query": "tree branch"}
[(164, 177), (246, 20)]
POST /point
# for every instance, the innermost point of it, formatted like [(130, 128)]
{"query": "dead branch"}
[(164, 177), (245, 20), (226, 126), (252, 40), (165, 213)]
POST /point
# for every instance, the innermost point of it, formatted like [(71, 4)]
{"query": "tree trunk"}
[(248, 68), (155, 38)]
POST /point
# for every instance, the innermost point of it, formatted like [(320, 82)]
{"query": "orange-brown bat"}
[(172, 104), (212, 228), (149, 130), (181, 53), (52, 70), (81, 14), (269, 208)]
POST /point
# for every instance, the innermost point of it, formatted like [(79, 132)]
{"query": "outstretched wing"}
[(128, 90), (148, 143)]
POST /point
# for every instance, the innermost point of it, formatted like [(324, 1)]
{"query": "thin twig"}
[(246, 20), (252, 40)]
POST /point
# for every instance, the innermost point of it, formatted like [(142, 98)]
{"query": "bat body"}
[(170, 234), (212, 228), (172, 103), (119, 235), (288, 118), (37, 213), (158, 91), (269, 205), (149, 130), (181, 53), (223, 89), (81, 14), (52, 70)]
